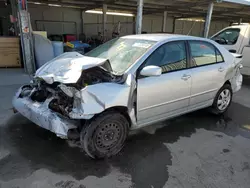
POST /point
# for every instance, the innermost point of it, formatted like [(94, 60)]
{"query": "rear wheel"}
[(222, 100), (105, 135)]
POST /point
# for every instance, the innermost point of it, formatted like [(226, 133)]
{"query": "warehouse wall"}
[(55, 20), (58, 20), (196, 28), (93, 24), (153, 24)]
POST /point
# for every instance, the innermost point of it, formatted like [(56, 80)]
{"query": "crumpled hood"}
[(67, 68)]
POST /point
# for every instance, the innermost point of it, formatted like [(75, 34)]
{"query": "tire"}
[(221, 104), (104, 136)]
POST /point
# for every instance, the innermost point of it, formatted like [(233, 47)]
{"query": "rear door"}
[(208, 71)]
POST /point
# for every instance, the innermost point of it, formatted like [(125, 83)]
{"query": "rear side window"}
[(227, 37), (204, 53)]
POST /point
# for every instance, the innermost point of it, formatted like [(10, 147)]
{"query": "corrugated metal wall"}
[(57, 20)]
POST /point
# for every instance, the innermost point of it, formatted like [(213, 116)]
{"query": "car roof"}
[(162, 37)]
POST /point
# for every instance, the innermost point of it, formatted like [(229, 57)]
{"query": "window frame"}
[(205, 42), (188, 65), (214, 37)]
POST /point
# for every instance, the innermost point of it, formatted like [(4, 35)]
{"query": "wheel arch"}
[(121, 109), (227, 82)]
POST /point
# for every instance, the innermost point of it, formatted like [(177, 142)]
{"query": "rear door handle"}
[(232, 51), (185, 77), (221, 69)]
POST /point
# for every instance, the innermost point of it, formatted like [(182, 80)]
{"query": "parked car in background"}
[(236, 39), (129, 83)]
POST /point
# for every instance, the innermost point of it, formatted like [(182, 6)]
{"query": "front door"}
[(167, 95), (208, 72)]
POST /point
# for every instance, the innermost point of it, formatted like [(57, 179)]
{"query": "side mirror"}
[(151, 71)]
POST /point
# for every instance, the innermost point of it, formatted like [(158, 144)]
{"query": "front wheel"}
[(105, 135), (222, 100)]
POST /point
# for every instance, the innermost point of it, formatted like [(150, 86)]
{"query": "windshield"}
[(121, 52), (227, 37)]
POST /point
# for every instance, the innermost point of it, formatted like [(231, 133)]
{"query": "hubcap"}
[(224, 99), (107, 136)]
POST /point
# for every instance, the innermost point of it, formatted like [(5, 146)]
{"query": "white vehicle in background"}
[(236, 39)]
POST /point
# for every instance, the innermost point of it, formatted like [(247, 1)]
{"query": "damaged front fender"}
[(94, 99)]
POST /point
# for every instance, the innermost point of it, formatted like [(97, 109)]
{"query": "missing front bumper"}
[(40, 114)]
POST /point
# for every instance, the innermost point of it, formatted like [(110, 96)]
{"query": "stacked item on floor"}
[(43, 49), (76, 46), (10, 52)]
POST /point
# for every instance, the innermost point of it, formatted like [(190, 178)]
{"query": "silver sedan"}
[(128, 83)]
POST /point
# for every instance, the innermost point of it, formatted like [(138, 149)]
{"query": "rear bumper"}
[(40, 114)]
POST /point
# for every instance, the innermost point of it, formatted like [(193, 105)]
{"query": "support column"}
[(104, 19), (240, 21), (139, 16), (14, 14), (26, 38), (208, 19), (174, 23), (164, 23)]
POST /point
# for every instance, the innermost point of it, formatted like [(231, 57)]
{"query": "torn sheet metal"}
[(67, 68), (40, 114), (94, 99)]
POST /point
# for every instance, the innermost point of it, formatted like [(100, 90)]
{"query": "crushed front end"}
[(63, 93), (47, 106)]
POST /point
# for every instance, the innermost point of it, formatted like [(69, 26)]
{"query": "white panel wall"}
[(69, 20), (93, 24), (196, 28), (55, 20), (153, 24)]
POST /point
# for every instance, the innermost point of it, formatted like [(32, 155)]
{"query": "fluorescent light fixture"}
[(120, 14), (110, 13), (192, 19), (54, 5), (94, 11), (36, 3)]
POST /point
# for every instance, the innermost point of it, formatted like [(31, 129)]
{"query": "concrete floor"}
[(194, 150)]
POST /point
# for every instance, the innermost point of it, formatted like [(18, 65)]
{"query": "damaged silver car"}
[(128, 83)]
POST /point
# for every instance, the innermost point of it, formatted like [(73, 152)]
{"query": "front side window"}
[(121, 52), (170, 57), (227, 37), (202, 53)]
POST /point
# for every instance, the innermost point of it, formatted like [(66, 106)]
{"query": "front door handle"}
[(185, 77), (221, 69)]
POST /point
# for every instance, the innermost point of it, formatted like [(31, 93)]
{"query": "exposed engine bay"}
[(62, 94)]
